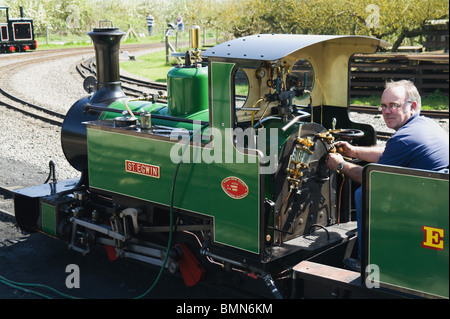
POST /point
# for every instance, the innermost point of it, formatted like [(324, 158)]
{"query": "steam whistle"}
[(194, 56)]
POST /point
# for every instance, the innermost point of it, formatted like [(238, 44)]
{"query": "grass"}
[(151, 66), (433, 101), (73, 41)]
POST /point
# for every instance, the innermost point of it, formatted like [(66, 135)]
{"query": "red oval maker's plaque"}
[(234, 187)]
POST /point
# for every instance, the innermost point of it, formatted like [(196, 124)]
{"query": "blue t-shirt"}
[(420, 143)]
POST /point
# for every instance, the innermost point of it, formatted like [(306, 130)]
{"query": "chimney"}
[(106, 44)]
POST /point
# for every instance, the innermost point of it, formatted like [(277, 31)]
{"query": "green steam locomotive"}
[(229, 175)]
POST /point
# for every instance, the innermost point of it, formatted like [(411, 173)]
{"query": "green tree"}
[(398, 19), (390, 20)]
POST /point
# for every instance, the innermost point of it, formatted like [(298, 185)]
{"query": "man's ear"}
[(413, 107)]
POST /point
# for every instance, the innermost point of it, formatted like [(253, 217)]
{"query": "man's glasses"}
[(392, 106)]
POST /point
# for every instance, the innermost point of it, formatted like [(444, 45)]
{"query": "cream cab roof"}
[(272, 47)]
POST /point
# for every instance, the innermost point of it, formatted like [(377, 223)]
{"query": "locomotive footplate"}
[(318, 239), (27, 201), (336, 239)]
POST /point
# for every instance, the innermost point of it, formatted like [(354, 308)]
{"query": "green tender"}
[(400, 205)]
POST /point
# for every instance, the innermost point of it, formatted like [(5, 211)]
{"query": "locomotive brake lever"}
[(294, 120), (348, 159), (333, 150)]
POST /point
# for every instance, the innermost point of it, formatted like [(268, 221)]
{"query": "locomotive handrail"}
[(295, 119), (89, 107)]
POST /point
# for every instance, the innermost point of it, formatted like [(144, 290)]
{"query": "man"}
[(150, 23), (417, 143), (180, 23)]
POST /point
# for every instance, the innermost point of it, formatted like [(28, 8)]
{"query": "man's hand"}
[(352, 170), (365, 153), (333, 160), (345, 149)]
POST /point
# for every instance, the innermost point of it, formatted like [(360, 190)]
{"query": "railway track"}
[(56, 118), (133, 87), (86, 68), (13, 102), (30, 109), (89, 67), (374, 110), (386, 135)]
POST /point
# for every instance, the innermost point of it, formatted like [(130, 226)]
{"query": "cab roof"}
[(272, 47)]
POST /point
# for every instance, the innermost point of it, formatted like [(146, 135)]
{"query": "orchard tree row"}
[(390, 20)]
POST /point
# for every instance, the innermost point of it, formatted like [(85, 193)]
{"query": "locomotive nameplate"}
[(234, 187), (142, 169)]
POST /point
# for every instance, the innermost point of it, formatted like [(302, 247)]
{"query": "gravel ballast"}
[(27, 145)]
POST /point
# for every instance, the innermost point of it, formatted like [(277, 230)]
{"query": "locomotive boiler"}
[(229, 173)]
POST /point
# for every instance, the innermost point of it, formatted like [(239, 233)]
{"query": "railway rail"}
[(30, 109), (56, 118), (133, 87), (374, 110), (87, 67), (81, 228)]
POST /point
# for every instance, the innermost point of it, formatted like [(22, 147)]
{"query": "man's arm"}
[(351, 170), (368, 153)]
